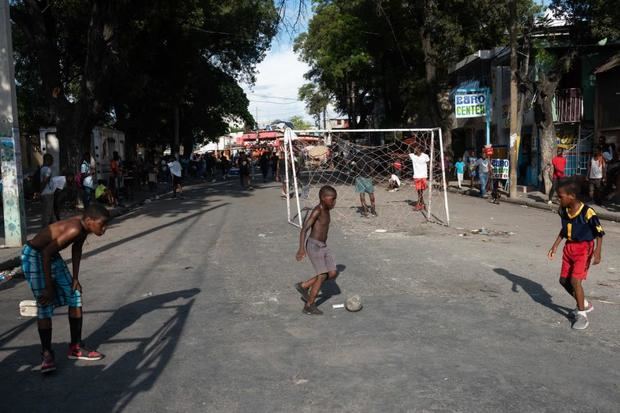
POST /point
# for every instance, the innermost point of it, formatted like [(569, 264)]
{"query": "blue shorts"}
[(32, 265), (364, 185)]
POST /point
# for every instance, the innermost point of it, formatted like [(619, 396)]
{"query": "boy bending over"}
[(52, 283)]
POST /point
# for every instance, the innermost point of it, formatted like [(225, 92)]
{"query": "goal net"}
[(360, 162)]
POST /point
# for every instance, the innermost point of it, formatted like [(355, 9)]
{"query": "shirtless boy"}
[(314, 246), (53, 285)]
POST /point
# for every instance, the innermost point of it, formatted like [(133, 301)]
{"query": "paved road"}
[(193, 304)]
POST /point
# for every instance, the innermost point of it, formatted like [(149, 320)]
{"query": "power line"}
[(273, 97), (276, 103)]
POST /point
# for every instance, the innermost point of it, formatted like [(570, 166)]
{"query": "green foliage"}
[(299, 123), (130, 64), (377, 58), (316, 99)]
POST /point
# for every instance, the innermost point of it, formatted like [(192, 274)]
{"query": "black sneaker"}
[(312, 310), (373, 212), (303, 291)]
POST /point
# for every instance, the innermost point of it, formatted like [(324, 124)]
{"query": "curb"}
[(605, 215)]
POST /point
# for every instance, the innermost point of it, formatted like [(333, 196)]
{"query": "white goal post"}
[(293, 146)]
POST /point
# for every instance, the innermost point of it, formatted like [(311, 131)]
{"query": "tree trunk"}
[(546, 91)]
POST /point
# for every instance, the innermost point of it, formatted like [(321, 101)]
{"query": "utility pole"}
[(514, 106), (10, 152)]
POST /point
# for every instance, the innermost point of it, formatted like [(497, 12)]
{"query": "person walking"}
[(596, 176), (86, 180), (460, 171), (47, 191), (483, 166), (558, 164)]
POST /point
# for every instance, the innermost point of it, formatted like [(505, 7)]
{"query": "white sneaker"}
[(573, 312), (581, 321)]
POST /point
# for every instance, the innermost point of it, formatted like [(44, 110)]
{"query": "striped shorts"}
[(32, 265)]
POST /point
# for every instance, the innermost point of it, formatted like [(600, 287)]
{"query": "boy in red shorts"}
[(584, 241), (420, 162)]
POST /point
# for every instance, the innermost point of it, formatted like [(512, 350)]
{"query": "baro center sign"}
[(471, 105)]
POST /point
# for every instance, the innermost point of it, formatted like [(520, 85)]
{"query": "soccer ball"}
[(353, 303)]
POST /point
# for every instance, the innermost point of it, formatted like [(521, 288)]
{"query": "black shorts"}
[(177, 180)]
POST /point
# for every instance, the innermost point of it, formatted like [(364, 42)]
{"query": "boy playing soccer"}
[(52, 283), (321, 258), (584, 241)]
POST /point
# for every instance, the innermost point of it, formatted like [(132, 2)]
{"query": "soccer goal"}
[(357, 161)]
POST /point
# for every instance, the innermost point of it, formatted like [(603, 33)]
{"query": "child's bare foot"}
[(303, 291), (312, 310)]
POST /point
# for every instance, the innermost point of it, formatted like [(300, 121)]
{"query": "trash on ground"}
[(381, 230), (262, 235), (28, 308), (338, 305)]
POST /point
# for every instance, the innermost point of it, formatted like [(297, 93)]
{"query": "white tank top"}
[(596, 169)]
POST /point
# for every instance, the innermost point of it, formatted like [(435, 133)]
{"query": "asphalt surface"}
[(192, 301)]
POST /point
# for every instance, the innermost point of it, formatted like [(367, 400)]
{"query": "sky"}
[(279, 77)]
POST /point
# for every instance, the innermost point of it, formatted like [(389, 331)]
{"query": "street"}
[(192, 301)]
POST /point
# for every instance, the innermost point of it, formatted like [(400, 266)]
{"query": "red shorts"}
[(419, 184), (576, 259)]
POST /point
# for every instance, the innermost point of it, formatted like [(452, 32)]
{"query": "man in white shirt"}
[(420, 162), (87, 171), (177, 176), (47, 191)]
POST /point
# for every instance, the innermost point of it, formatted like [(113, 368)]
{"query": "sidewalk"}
[(10, 257), (536, 199)]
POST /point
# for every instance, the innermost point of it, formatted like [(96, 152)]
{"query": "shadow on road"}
[(149, 231), (536, 291), (107, 386)]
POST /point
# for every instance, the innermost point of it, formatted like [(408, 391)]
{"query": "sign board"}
[(501, 168), (471, 105)]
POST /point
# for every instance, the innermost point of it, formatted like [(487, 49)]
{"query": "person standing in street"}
[(420, 162), (460, 171), (86, 180), (281, 173), (483, 166), (116, 174), (558, 164), (264, 165), (47, 191), (176, 173), (596, 176)]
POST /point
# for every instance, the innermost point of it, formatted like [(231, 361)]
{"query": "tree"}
[(93, 62), (299, 123), (317, 100), (386, 62)]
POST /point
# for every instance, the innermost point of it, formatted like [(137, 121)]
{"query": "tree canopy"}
[(132, 64)]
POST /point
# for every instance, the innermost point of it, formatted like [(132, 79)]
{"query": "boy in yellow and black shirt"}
[(584, 241)]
